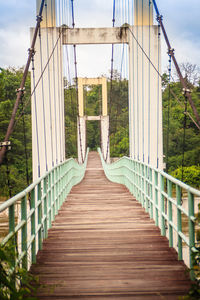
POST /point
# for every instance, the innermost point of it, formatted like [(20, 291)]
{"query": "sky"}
[(181, 19)]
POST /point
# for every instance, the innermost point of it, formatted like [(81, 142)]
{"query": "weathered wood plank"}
[(103, 245)]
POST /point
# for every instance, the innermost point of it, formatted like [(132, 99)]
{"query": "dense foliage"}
[(182, 155), (10, 80), (118, 112), (17, 285), (173, 121)]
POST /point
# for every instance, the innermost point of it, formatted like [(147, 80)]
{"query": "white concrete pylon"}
[(49, 13), (145, 97), (48, 124)]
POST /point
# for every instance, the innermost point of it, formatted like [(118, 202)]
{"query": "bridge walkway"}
[(103, 245)]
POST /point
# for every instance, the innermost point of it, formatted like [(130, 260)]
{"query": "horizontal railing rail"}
[(162, 197), (32, 211)]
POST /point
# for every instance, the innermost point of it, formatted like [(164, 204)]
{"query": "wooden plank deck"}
[(103, 245)]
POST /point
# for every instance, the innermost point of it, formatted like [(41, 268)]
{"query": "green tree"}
[(9, 82)]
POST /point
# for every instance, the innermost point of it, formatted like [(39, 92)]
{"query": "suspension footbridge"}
[(92, 228)]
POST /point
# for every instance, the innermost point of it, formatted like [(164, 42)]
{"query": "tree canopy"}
[(17, 167)]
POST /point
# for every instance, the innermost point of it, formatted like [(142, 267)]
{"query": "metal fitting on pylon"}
[(6, 144), (39, 18), (20, 90), (185, 91), (171, 51)]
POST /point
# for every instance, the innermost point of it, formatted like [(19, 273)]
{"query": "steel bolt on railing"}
[(39, 205), (147, 184)]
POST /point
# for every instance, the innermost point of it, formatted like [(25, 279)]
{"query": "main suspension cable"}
[(22, 85), (171, 52)]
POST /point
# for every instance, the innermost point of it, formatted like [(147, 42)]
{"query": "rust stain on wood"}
[(103, 245)]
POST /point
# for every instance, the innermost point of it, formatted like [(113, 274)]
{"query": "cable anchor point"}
[(185, 91), (20, 90), (159, 18), (39, 18), (6, 144), (171, 52)]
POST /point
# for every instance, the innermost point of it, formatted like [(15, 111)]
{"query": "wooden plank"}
[(103, 245)]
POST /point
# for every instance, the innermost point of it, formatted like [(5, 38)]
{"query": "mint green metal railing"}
[(153, 188), (39, 204)]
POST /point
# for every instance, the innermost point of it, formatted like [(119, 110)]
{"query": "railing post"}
[(62, 186), (162, 205), (39, 193), (49, 209), (146, 190), (59, 187), (191, 221), (139, 183), (24, 231), (12, 229), (143, 186), (150, 192), (170, 216), (45, 208), (156, 198), (56, 190), (132, 177), (179, 221), (53, 194), (33, 245)]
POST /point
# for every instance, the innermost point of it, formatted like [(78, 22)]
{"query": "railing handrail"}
[(27, 190), (39, 205), (170, 177), (153, 188)]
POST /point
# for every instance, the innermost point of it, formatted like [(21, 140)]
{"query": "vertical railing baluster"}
[(156, 198), (33, 245), (56, 190), (191, 233), (150, 192), (139, 184), (53, 194), (142, 182), (62, 178), (45, 207), (50, 199), (59, 186), (24, 231), (179, 221), (162, 205), (39, 211), (146, 189), (12, 229), (170, 216), (132, 181)]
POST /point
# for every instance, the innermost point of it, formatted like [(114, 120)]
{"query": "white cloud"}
[(14, 46), (181, 17), (93, 60)]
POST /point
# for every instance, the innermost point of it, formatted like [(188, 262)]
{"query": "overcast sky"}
[(181, 18)]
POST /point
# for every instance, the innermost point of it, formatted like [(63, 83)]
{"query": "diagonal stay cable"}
[(157, 71)]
